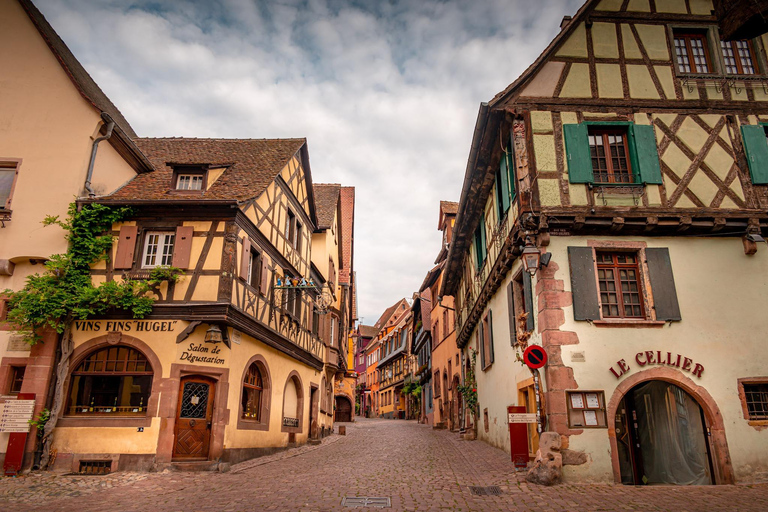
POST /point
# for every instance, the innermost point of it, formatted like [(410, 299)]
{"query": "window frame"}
[(189, 170), (641, 289), (605, 131), (262, 422), (14, 377), (693, 32), (751, 381), (75, 410), (737, 58), (145, 246), (9, 164)]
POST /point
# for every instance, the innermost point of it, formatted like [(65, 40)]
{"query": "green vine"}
[(40, 421), (65, 292), (468, 390)]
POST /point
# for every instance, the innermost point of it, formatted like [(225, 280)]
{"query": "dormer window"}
[(189, 182), (189, 178)]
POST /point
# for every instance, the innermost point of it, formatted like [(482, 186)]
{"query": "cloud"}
[(386, 93)]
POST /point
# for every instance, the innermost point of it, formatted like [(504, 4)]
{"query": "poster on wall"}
[(577, 401)]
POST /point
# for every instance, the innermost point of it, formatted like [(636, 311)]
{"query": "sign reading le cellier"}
[(657, 357)]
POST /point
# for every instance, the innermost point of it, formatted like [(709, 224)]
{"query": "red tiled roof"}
[(367, 331), (347, 237), (326, 203), (252, 164)]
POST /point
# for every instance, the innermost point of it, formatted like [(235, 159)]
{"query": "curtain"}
[(672, 438)]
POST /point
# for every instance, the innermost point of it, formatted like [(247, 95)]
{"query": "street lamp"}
[(213, 334), (532, 257)]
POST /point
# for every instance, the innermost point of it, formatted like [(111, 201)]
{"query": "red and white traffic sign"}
[(535, 357)]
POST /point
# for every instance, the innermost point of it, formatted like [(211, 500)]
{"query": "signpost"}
[(535, 357), (14, 419)]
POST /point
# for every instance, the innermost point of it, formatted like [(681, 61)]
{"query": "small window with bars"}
[(610, 156), (756, 396), (620, 288), (738, 57), (158, 249), (692, 52), (95, 467)]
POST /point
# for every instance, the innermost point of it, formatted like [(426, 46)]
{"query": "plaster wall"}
[(49, 126), (721, 293)]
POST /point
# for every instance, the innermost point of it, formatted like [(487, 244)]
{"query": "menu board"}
[(577, 401), (586, 409), (593, 402), (15, 415), (590, 418)]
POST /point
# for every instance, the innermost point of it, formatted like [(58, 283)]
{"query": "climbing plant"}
[(468, 390), (64, 291)]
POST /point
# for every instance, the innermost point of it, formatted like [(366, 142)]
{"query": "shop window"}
[(9, 170), (608, 285), (586, 409), (620, 153), (158, 249), (253, 393), (17, 378), (756, 400), (692, 52), (738, 57), (115, 380), (619, 281)]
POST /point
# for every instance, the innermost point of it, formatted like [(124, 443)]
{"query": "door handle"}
[(208, 425)]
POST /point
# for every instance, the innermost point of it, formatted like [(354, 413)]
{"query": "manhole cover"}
[(492, 490), (366, 501)]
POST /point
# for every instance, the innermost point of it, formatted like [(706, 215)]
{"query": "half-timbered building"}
[(613, 211), (229, 365)]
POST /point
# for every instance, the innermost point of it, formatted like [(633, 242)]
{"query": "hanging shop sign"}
[(535, 357), (658, 358)]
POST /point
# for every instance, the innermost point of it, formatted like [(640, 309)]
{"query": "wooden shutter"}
[(502, 186), (126, 247), (756, 147), (182, 246), (646, 154), (245, 257), (583, 284), (512, 315), (528, 297), (490, 336), (266, 277), (511, 179), (662, 284), (577, 153), (481, 343)]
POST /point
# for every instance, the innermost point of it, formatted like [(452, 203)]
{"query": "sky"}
[(386, 93)]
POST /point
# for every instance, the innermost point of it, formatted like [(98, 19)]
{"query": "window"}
[(253, 389), (756, 395), (115, 380), (692, 53), (437, 383), (17, 378), (8, 172), (618, 278), (480, 245), (254, 266), (445, 323), (739, 58), (485, 340), (617, 153), (158, 249), (189, 182), (293, 231), (610, 155)]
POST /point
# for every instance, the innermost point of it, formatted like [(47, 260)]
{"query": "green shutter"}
[(502, 187), (645, 155), (480, 243), (756, 148), (483, 244), (577, 153), (511, 171)]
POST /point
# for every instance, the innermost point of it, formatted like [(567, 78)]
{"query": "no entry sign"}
[(535, 357)]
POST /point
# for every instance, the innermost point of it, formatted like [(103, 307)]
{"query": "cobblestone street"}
[(417, 467)]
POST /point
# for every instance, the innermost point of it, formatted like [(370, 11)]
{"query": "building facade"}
[(613, 213)]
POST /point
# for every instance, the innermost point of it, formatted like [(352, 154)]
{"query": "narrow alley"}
[(416, 467)]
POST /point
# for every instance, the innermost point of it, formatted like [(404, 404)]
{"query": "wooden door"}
[(343, 410), (192, 433)]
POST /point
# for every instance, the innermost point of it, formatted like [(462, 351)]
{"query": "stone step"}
[(197, 465)]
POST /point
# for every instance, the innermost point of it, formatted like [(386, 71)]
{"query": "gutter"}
[(110, 126)]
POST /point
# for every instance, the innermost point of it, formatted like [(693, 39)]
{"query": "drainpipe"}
[(110, 126)]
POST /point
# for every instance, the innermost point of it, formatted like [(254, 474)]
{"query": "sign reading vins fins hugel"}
[(107, 326)]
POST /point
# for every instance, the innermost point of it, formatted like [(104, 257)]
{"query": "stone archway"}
[(721, 459)]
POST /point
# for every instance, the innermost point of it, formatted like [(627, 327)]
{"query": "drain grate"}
[(492, 490), (366, 501), (95, 467)]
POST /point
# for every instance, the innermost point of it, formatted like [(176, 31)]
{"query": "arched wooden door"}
[(343, 409), (194, 415)]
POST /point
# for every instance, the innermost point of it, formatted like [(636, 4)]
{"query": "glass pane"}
[(194, 400), (6, 181)]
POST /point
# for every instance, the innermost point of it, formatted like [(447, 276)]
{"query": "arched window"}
[(253, 389), (114, 380), (293, 404)]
